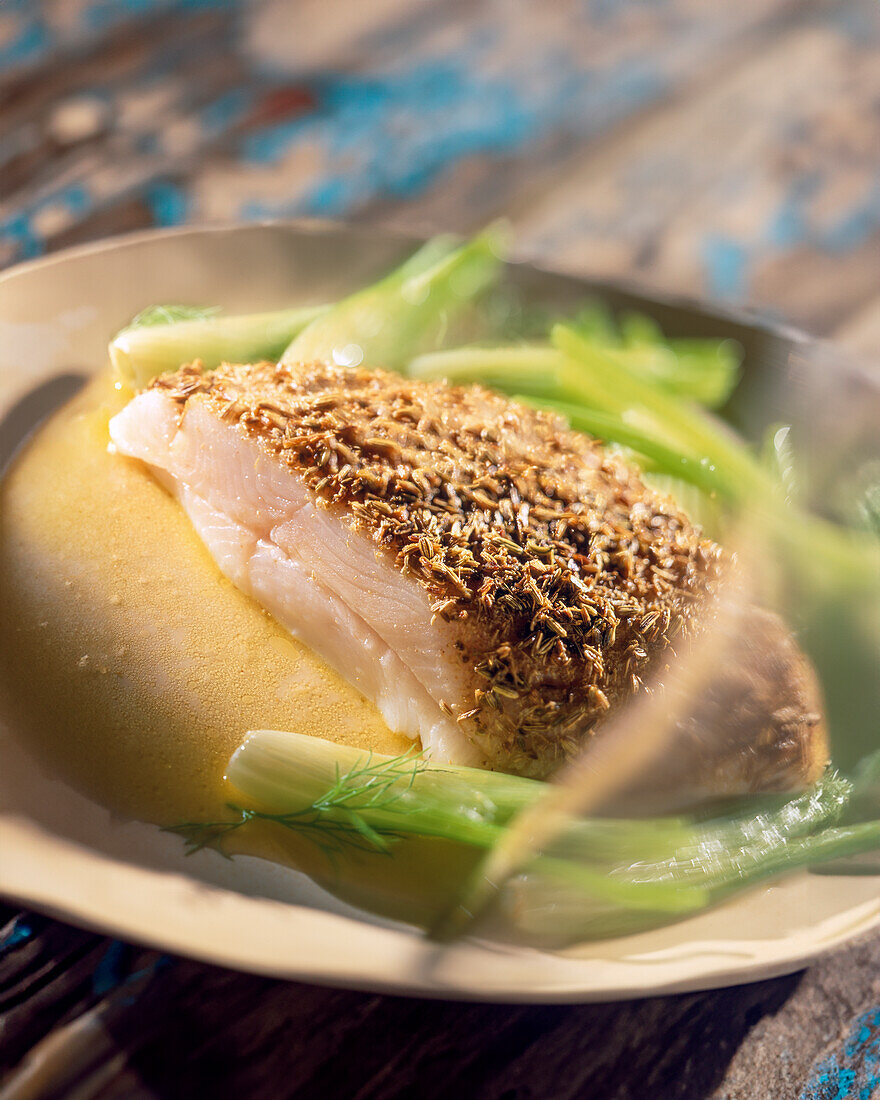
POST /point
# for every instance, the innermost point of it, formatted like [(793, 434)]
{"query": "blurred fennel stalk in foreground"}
[(647, 728)]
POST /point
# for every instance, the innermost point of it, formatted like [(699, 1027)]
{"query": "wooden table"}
[(726, 149)]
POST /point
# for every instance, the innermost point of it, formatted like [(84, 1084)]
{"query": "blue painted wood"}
[(604, 128), (852, 1072), (163, 111)]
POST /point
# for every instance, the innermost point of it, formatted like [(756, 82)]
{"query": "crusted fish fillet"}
[(494, 582)]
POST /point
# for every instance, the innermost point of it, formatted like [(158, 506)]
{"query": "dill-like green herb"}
[(170, 315), (208, 834), (334, 820), (332, 836), (602, 876)]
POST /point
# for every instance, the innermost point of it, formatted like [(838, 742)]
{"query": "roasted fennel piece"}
[(161, 338), (386, 323), (602, 876)]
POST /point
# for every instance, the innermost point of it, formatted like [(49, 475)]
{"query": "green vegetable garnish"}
[(606, 875), (388, 323), (162, 338)]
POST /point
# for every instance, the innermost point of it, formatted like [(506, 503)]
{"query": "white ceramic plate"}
[(65, 855)]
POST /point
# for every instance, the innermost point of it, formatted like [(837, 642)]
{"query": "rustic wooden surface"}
[(726, 149)]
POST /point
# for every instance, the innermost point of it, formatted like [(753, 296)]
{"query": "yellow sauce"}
[(132, 668)]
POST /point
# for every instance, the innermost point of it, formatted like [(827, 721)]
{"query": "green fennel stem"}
[(143, 352), (389, 322), (344, 798)]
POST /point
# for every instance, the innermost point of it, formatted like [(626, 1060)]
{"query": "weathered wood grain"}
[(728, 149), (229, 1034), (86, 1016), (761, 189)]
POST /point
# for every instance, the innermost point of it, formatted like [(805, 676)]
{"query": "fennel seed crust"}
[(564, 578)]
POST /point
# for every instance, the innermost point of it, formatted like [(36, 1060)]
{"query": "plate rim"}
[(746, 970), (411, 982)]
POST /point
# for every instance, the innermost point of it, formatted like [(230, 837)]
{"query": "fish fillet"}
[(495, 583)]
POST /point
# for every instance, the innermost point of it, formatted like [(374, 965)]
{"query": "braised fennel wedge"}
[(161, 338), (622, 381), (603, 877), (386, 323)]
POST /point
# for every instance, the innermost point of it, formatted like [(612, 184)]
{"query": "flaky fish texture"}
[(496, 583)]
